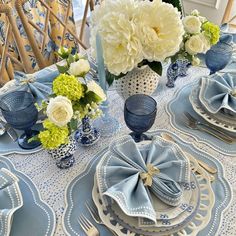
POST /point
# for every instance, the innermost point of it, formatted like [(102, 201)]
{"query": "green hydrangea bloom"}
[(211, 31), (68, 86), (53, 136)]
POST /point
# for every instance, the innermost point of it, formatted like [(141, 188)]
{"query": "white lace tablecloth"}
[(52, 182)]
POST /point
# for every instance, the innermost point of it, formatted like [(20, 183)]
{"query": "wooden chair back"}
[(228, 18), (51, 21), (11, 40)]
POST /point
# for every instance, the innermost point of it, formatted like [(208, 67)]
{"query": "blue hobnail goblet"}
[(139, 114), (19, 111), (218, 56)]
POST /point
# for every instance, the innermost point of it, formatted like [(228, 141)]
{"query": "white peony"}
[(194, 45), (122, 48), (160, 30), (59, 110), (115, 22), (94, 87), (79, 68), (192, 24)]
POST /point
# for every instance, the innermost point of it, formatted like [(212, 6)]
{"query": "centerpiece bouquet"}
[(73, 99), (136, 36), (200, 35)]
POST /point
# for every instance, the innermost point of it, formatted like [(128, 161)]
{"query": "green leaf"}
[(35, 138), (90, 97), (156, 66), (175, 3), (70, 59), (62, 69), (73, 125)]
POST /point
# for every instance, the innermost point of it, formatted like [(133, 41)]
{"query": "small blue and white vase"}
[(64, 155), (87, 135), (178, 68)]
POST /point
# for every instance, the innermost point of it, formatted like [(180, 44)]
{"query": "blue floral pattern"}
[(37, 13)]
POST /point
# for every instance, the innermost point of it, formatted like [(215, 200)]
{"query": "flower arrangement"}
[(73, 98), (136, 33), (200, 35)]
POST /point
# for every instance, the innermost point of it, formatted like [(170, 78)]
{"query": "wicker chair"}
[(11, 39), (52, 21)]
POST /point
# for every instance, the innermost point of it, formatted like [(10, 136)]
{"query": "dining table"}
[(52, 182)]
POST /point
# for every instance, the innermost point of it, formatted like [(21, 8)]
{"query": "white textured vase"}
[(140, 80)]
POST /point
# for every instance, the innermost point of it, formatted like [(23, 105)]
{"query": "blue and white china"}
[(161, 169), (218, 93), (64, 155), (10, 200), (216, 197), (178, 68), (87, 135), (35, 217), (19, 110)]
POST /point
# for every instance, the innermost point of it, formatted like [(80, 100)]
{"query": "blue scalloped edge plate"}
[(180, 104), (75, 198), (35, 217)]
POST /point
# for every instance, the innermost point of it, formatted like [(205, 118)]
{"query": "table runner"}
[(52, 181)]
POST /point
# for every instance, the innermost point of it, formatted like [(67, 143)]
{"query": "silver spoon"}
[(2, 129)]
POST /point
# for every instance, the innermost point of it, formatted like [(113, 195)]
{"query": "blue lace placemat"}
[(35, 217), (180, 104), (79, 191), (8, 146)]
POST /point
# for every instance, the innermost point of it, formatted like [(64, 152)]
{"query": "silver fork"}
[(194, 120), (87, 226), (192, 125), (94, 213)]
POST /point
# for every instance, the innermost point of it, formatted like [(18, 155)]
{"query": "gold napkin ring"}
[(147, 176)]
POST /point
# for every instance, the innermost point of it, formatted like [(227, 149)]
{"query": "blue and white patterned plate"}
[(75, 198), (35, 217)]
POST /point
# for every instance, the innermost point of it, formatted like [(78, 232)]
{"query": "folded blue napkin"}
[(10, 200), (39, 83), (218, 92), (225, 31), (128, 174)]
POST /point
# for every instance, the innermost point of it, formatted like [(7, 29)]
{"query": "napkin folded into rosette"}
[(218, 92), (129, 173), (39, 83), (10, 200)]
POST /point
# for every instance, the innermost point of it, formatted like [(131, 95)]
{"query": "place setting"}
[(22, 210), (151, 183)]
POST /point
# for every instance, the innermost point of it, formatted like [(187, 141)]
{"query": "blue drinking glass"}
[(218, 56), (19, 111), (140, 113)]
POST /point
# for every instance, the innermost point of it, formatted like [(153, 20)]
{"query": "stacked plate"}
[(214, 99), (116, 206)]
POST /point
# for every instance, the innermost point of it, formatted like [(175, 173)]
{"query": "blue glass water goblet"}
[(19, 111), (218, 56), (139, 114)]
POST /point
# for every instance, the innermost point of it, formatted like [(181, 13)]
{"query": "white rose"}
[(192, 24), (59, 110), (79, 68), (94, 87), (194, 45), (195, 13)]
